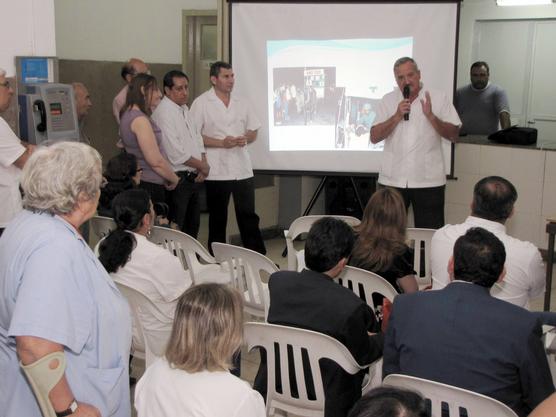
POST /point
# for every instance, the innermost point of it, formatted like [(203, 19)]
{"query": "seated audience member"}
[(310, 299), (193, 377), (122, 173), (380, 246), (134, 261), (492, 205), (389, 402), (142, 137), (463, 336)]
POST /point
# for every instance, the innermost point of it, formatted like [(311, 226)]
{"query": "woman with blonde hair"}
[(193, 377), (380, 246)]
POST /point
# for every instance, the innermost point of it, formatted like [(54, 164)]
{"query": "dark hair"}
[(119, 174), (137, 97), (480, 64), (389, 402), (129, 207), (479, 257), (215, 67), (493, 199), (168, 80), (328, 241), (127, 69)]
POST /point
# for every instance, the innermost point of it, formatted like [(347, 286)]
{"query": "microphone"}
[(406, 96)]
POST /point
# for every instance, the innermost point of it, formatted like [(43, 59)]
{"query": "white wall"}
[(116, 30), (27, 28), (473, 10)]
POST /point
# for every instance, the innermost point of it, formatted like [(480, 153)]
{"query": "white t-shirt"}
[(412, 155), (167, 392), (181, 139), (525, 270), (159, 275), (217, 121), (10, 150)]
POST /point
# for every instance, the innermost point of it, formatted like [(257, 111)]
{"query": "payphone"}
[(47, 112)]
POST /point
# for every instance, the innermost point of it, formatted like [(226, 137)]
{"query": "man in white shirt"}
[(413, 128), (493, 204), (228, 125), (184, 147), (13, 155)]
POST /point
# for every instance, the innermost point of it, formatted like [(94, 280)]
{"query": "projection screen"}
[(313, 72)]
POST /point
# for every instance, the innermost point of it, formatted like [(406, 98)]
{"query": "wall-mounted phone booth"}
[(46, 108)]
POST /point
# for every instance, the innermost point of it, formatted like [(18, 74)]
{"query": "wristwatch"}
[(69, 411)]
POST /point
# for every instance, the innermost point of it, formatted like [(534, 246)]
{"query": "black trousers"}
[(427, 203), (186, 207), (243, 193), (157, 191)]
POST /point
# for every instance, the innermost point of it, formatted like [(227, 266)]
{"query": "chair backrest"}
[(417, 236), (364, 283), (277, 341), (99, 228), (302, 225), (245, 267), (155, 340), (550, 347), (43, 375), (460, 402), (185, 247)]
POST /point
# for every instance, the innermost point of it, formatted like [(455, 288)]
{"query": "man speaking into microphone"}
[(412, 122)]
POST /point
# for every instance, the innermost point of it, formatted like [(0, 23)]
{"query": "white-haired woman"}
[(193, 378), (56, 297)]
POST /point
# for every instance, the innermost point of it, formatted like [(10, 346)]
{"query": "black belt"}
[(187, 175)]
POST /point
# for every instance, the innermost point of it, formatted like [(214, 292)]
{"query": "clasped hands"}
[(232, 141)]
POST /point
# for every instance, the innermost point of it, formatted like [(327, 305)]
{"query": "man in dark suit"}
[(312, 300), (463, 336)]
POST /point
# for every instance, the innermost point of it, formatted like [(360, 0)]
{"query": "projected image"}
[(322, 94)]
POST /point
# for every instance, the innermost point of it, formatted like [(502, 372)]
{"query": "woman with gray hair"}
[(55, 296)]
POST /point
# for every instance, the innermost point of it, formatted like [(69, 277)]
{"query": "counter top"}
[(483, 140)]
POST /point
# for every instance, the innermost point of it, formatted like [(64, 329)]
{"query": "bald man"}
[(129, 70), (82, 105)]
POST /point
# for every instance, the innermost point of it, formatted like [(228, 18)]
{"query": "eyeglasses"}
[(5, 84)]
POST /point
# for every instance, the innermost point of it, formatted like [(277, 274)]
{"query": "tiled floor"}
[(250, 361)]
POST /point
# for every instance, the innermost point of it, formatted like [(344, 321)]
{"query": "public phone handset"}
[(41, 108)]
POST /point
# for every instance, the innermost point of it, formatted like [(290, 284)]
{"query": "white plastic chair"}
[(43, 375), (364, 283), (302, 225), (317, 345), (417, 236), (154, 340), (550, 348), (99, 228), (476, 405), (189, 250), (245, 267)]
